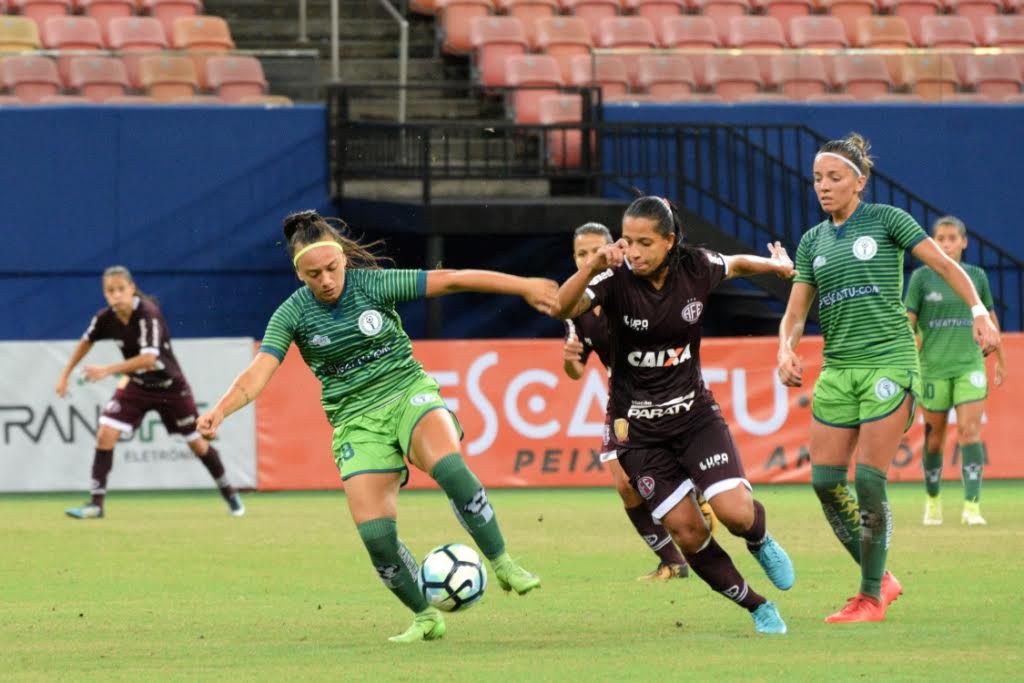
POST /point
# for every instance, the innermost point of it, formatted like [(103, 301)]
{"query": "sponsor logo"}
[(885, 389), (112, 407), (601, 277), (635, 323), (479, 508), (647, 411), (185, 421), (421, 399), (714, 461), (819, 262), (840, 295), (341, 369), (665, 358), (387, 573), (319, 340), (715, 258), (978, 379), (651, 539), (645, 486), (933, 296), (691, 311), (865, 248), (621, 429), (371, 323)]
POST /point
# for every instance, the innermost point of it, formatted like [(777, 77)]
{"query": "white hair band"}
[(842, 159)]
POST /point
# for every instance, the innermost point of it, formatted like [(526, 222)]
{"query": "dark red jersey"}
[(145, 332), (657, 391), (592, 331)]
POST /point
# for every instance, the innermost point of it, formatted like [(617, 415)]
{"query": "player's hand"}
[(783, 264), (986, 334), (572, 351), (94, 373), (791, 369), (62, 386), (542, 294), (608, 256), (208, 423), (1001, 373)]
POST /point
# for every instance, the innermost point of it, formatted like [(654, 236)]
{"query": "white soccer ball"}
[(453, 577)]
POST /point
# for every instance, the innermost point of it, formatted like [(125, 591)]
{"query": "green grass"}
[(170, 587)]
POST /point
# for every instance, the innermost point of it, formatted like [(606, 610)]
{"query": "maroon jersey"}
[(145, 332), (592, 331), (657, 391)]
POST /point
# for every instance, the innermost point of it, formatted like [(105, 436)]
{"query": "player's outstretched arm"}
[(84, 345), (571, 299), (572, 351), (142, 361), (244, 390), (779, 264), (791, 330), (985, 331), (538, 292)]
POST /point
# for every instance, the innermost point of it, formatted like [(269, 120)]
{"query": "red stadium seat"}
[(964, 98), (628, 33), (832, 98), (234, 77), (863, 76), (202, 100), (70, 33), (757, 32), (994, 76), (454, 20), (564, 148), (538, 71), (762, 98), (949, 32), (30, 79), (848, 12), (666, 78), (975, 11), (529, 12), (202, 33), (592, 12), (135, 37), (168, 77), (897, 99), (40, 10), (784, 10), (98, 78), (799, 77), (166, 11), (58, 100), (932, 77), (427, 7), (817, 32), (564, 38), (606, 71), (103, 11), (268, 101), (913, 11), (132, 100), (18, 33), (691, 32), (494, 39), (655, 10), (886, 32), (1013, 99), (732, 77), (1006, 31), (720, 12)]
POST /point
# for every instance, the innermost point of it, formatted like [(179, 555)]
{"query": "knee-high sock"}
[(469, 501), (102, 463), (839, 505), (655, 535), (972, 464), (211, 461), (394, 563), (931, 463), (714, 565), (876, 527), (758, 531)]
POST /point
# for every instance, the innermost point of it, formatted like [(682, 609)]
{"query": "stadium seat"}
[(832, 98), (103, 11), (949, 31), (30, 79), (454, 19), (529, 12), (494, 39), (975, 11), (655, 10), (564, 148), (848, 12), (167, 77), (994, 76), (592, 12), (541, 72), (64, 100), (166, 11), (18, 33), (913, 11), (757, 32), (1013, 99), (887, 32), (98, 78), (863, 76), (932, 77), (720, 12), (202, 100), (268, 101), (10, 101), (762, 98), (784, 10), (40, 10), (817, 32), (1006, 31), (628, 33), (563, 38), (202, 36), (666, 78), (691, 32), (70, 33), (131, 99), (135, 37), (605, 71), (425, 7), (234, 77), (799, 77), (732, 76), (964, 98), (896, 98)]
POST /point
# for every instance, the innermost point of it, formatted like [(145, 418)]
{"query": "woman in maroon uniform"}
[(153, 382), (667, 429)]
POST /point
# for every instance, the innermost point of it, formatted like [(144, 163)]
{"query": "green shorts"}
[(377, 441), (940, 395), (848, 397)]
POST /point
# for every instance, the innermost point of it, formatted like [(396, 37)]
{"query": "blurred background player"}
[(864, 398), (153, 381), (384, 408), (952, 370), (667, 429)]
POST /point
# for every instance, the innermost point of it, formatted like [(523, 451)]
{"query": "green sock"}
[(972, 462), (469, 501), (394, 563), (876, 527), (932, 465), (839, 505)]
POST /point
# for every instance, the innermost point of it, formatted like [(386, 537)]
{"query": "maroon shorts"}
[(706, 459), (177, 409)]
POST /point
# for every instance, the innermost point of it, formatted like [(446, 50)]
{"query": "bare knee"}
[(735, 509), (107, 438), (199, 447), (968, 431), (934, 436), (686, 525)]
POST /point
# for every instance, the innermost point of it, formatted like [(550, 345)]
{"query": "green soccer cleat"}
[(426, 625), (768, 620), (932, 511), (513, 577), (86, 511), (971, 516)]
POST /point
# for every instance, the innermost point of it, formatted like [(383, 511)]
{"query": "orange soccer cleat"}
[(891, 589), (858, 608)]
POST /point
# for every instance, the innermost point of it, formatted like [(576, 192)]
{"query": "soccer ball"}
[(453, 577)]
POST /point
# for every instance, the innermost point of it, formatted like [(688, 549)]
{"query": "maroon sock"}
[(102, 463), (755, 535), (211, 461), (715, 566), (655, 535)]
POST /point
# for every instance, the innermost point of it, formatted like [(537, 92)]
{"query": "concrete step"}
[(478, 189), (386, 109), (366, 70)]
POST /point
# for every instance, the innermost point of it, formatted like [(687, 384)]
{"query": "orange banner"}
[(527, 424)]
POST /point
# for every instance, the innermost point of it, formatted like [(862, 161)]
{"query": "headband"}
[(668, 207), (843, 159), (324, 243)]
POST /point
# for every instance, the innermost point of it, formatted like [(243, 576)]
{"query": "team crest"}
[(112, 407), (621, 427), (421, 399), (692, 311), (819, 262), (978, 379), (371, 323), (933, 296), (865, 248), (319, 340), (645, 486), (885, 389)]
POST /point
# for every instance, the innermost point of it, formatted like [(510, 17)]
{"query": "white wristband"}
[(978, 310)]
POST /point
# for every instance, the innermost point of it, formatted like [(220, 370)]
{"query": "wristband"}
[(978, 310)]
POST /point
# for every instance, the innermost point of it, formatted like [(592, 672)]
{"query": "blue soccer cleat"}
[(776, 563), (768, 620), (86, 511)]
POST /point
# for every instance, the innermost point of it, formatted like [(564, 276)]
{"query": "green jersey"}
[(857, 269), (945, 322), (356, 347)]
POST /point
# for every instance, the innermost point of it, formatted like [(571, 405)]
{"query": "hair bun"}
[(299, 220)]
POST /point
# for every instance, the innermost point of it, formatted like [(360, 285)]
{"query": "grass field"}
[(170, 587)]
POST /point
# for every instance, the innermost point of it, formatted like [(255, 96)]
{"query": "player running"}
[(953, 371), (381, 403), (864, 398), (153, 381), (667, 429)]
